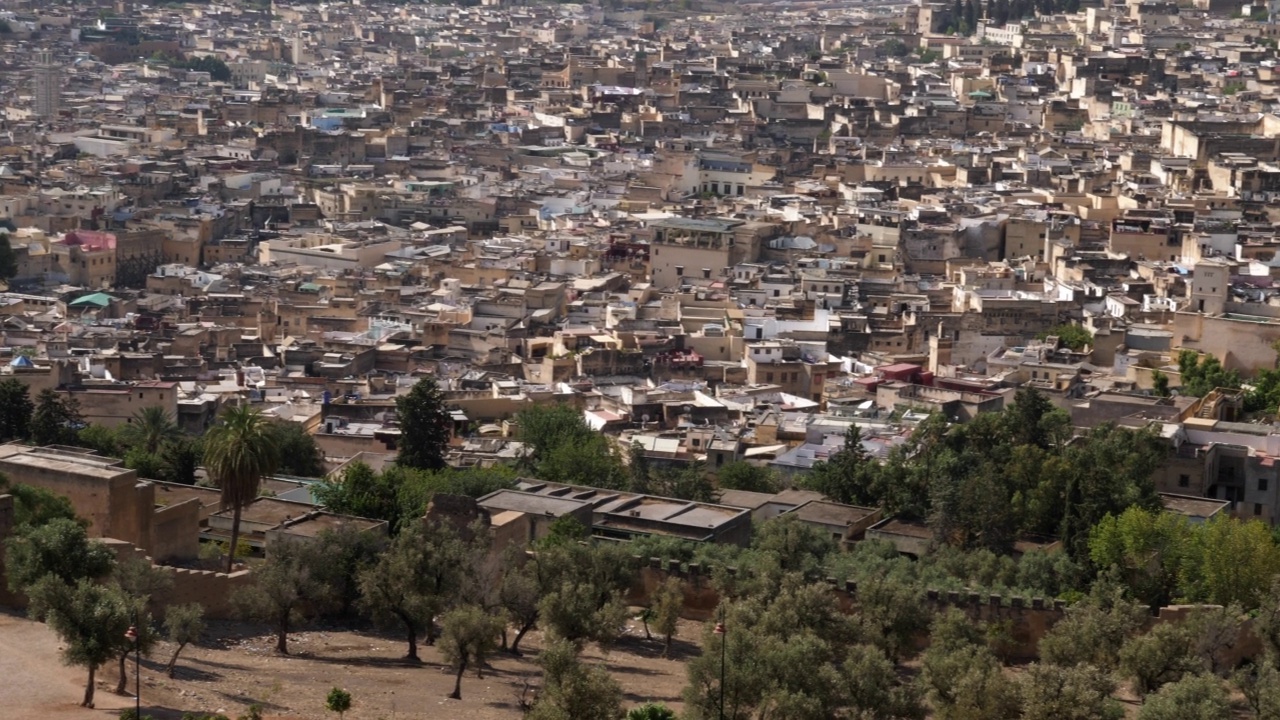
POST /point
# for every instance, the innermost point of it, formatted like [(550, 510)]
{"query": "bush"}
[(1196, 697)]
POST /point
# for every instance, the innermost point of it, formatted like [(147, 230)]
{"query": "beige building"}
[(701, 249)]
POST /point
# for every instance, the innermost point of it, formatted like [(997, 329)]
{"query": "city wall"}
[(1028, 619), (211, 589)]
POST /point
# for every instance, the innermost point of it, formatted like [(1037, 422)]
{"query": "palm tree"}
[(149, 429), (239, 451)]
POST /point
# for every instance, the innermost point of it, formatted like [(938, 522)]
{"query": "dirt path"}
[(33, 681)]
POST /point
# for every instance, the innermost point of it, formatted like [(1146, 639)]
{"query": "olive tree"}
[(469, 635)]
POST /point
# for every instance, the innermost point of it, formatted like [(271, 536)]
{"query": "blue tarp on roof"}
[(99, 299)]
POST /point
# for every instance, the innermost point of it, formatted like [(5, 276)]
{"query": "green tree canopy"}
[(1070, 335), (35, 506), (8, 258), (90, 620), (574, 690), (468, 636), (421, 574), (16, 410), (149, 429), (424, 426), (1080, 692), (400, 494), (286, 589), (239, 452), (1196, 697), (184, 624), (741, 475), (60, 548), (1203, 374), (56, 419), (299, 453)]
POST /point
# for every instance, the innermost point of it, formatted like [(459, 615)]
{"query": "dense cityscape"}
[(640, 360)]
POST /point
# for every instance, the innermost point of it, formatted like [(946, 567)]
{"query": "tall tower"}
[(48, 85)]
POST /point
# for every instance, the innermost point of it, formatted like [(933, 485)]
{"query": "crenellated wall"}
[(211, 589), (1028, 619)]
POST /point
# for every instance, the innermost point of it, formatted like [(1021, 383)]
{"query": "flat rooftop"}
[(617, 508), (62, 462), (317, 522), (830, 513), (270, 511), (1191, 506), (709, 225), (527, 502), (175, 493)]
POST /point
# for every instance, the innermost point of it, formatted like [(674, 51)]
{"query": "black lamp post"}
[(723, 632), (132, 634)]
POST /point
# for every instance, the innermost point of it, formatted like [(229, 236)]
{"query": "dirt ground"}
[(241, 668)]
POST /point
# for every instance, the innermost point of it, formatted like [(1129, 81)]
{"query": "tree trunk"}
[(515, 644), (457, 681), (666, 646), (235, 538), (647, 634), (124, 673), (174, 660), (282, 634), (504, 637), (431, 631), (88, 690), (412, 632)]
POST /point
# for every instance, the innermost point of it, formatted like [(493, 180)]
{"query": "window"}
[(679, 271), (706, 273), (1257, 508), (1262, 484), (768, 377), (1184, 481)]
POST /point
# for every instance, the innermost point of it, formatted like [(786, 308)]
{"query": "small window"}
[(679, 271), (1257, 508), (768, 377), (1262, 484), (1184, 481)]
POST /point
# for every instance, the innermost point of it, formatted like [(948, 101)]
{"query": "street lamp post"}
[(723, 632), (132, 634)]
